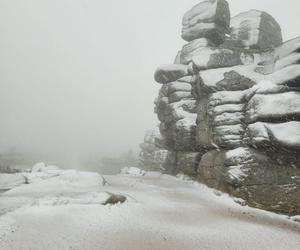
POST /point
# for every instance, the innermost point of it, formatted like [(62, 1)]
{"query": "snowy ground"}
[(161, 212)]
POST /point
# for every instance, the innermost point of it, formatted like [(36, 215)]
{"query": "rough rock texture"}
[(230, 112), (209, 19), (254, 29)]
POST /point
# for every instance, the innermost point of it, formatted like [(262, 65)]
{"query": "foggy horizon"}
[(77, 76)]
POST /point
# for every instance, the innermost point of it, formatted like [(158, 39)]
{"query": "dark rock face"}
[(229, 108)]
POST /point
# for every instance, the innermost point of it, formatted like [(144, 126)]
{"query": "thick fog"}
[(76, 76)]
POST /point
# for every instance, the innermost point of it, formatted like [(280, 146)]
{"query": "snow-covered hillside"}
[(66, 211)]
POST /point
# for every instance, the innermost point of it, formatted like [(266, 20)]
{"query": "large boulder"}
[(209, 19), (255, 30)]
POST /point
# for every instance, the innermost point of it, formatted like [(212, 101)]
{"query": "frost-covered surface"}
[(162, 212)]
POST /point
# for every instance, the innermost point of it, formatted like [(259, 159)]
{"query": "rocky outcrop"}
[(229, 106), (152, 155)]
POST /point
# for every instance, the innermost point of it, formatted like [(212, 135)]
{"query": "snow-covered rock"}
[(274, 107), (189, 50), (245, 97), (256, 30), (208, 19), (211, 58), (132, 171), (283, 134)]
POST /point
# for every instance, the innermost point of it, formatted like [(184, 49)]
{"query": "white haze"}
[(76, 76)]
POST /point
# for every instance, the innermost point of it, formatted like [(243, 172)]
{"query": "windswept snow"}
[(161, 212)]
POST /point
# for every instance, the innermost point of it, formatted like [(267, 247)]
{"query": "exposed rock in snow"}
[(114, 199), (208, 19)]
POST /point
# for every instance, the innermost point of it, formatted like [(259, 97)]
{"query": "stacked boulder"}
[(239, 119)]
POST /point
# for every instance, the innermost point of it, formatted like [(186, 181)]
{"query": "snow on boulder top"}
[(190, 49), (132, 171), (208, 19), (170, 73), (255, 30)]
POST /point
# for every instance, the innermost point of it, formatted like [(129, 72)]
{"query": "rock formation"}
[(152, 154), (229, 106)]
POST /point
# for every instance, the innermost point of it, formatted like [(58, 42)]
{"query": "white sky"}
[(76, 76)]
